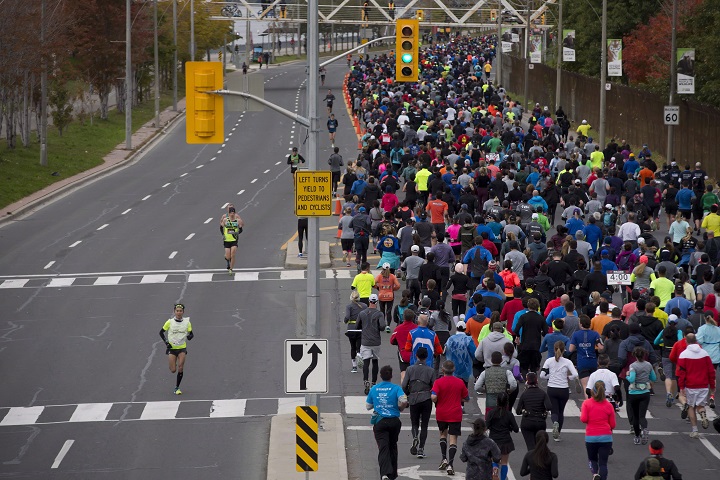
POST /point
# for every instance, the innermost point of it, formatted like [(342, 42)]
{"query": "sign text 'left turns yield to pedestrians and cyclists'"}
[(313, 193)]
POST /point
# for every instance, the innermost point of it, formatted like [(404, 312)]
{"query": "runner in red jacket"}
[(696, 376)]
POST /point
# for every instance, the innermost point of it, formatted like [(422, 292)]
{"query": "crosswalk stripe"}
[(153, 278), (22, 416), (61, 282), (246, 276), (200, 277), (112, 280), (343, 274), (292, 275), (91, 412), (228, 408), (14, 283), (287, 405), (355, 405), (160, 410)]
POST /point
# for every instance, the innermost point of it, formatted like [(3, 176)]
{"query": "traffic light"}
[(420, 15), (543, 18), (204, 122), (493, 15), (407, 42)]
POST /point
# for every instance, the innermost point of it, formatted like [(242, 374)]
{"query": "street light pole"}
[(128, 77), (526, 85), (43, 90), (603, 76), (192, 30), (175, 56), (157, 67), (558, 67), (498, 47), (673, 80)]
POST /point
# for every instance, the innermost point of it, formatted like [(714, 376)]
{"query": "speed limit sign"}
[(671, 115)]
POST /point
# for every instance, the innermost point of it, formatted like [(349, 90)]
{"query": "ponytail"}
[(559, 350), (598, 391)]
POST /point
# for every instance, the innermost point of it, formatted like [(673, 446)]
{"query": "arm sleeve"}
[(525, 467), (554, 466)]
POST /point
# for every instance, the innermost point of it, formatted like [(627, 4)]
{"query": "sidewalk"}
[(115, 159)]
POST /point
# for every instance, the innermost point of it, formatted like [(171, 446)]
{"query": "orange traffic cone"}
[(338, 207)]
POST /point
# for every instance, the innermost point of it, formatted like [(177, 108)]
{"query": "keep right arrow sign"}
[(306, 366)]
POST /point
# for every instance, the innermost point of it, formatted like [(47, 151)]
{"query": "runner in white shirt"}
[(630, 231), (558, 370), (450, 111), (610, 379)]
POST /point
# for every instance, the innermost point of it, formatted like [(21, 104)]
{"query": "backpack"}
[(624, 263), (608, 220)]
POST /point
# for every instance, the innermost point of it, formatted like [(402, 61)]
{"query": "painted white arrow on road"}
[(416, 474)]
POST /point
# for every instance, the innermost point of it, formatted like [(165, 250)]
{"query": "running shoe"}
[(636, 440), (345, 258), (348, 265), (367, 387), (414, 446), (353, 370), (230, 272), (704, 420), (645, 436), (444, 464), (450, 470), (177, 391), (711, 404), (556, 431), (421, 453), (669, 401), (300, 255), (597, 477), (387, 329), (661, 374), (694, 435), (684, 411), (385, 477)]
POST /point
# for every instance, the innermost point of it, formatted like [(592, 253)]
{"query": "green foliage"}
[(700, 32), (61, 102)]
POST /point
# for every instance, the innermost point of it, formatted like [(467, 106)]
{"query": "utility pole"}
[(128, 77), (43, 90), (313, 284), (526, 85), (603, 76), (175, 56), (558, 67), (248, 52), (673, 80), (498, 47), (299, 45), (192, 30), (157, 67)]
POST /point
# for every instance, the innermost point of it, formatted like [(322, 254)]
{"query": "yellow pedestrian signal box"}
[(407, 44), (493, 15), (204, 111), (420, 15)]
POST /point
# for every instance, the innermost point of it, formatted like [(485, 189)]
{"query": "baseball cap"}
[(415, 248), (423, 214), (673, 318), (577, 210), (492, 265), (462, 317), (534, 216), (460, 325), (386, 266), (607, 205), (604, 252), (697, 164), (577, 180), (640, 240), (679, 288), (673, 164), (373, 298), (464, 206), (584, 122), (643, 259), (361, 209)]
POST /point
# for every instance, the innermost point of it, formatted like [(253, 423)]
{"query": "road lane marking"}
[(241, 192), (111, 280), (266, 171), (200, 277), (208, 220), (50, 264), (227, 139), (710, 447), (61, 282), (229, 135), (160, 410), (102, 227), (224, 206), (126, 211), (15, 283), (146, 197), (233, 129), (166, 185), (153, 278), (223, 145), (213, 158), (172, 255), (254, 180), (292, 275), (228, 408), (22, 416), (278, 163), (199, 166), (76, 244), (287, 405), (245, 276), (63, 451), (183, 174), (219, 151), (91, 412), (190, 236)]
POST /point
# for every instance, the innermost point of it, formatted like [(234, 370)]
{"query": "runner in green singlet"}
[(231, 226), (179, 331)]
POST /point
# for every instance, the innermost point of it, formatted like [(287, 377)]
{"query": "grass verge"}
[(80, 148)]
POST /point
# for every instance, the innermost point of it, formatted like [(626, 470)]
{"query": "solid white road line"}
[(126, 211), (228, 408), (183, 174), (63, 451), (146, 197), (166, 185), (710, 447), (22, 415), (241, 192), (91, 412), (102, 227), (254, 180), (76, 244), (190, 236), (208, 220), (50, 264), (266, 171), (111, 280), (160, 410)]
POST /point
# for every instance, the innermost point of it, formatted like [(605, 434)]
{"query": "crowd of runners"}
[(496, 228)]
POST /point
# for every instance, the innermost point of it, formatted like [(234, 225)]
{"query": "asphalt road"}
[(87, 281)]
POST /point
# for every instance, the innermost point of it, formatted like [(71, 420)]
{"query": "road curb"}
[(53, 191)]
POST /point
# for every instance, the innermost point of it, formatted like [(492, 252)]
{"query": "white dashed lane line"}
[(219, 151), (101, 227), (146, 197), (254, 180), (50, 264), (172, 255), (241, 192), (166, 185), (199, 166), (190, 236), (278, 163), (224, 206), (266, 171), (76, 244), (183, 175), (126, 211), (208, 220), (213, 158)]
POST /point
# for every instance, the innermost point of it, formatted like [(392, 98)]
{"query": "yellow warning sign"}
[(313, 193), (306, 439)]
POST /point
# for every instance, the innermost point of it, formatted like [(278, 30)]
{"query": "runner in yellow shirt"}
[(364, 283), (712, 221), (584, 128), (179, 331)]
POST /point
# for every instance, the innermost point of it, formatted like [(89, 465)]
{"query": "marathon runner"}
[(175, 333)]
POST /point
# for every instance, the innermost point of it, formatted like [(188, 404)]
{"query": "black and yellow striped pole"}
[(306, 439)]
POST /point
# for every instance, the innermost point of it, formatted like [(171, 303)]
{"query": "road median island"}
[(293, 262), (332, 459)]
